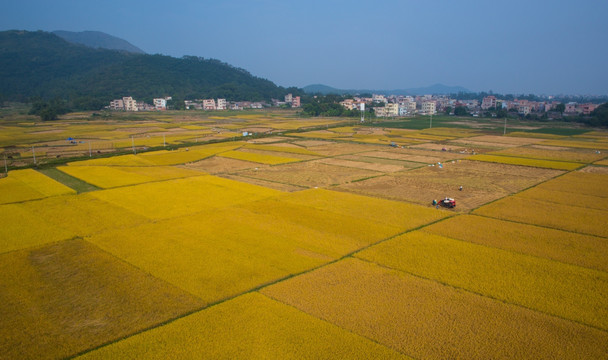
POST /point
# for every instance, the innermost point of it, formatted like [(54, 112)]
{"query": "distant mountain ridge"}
[(41, 64), (98, 40), (428, 90)]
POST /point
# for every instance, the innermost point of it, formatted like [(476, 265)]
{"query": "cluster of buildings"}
[(525, 107), (389, 106), (394, 105), (130, 104)]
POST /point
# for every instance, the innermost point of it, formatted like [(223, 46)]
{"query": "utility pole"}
[(431, 122), (133, 145), (34, 155), (5, 166), (90, 155), (164, 143), (505, 130)]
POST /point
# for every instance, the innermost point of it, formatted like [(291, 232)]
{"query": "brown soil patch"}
[(595, 169), (482, 183), (48, 132), (334, 149), (269, 140), (438, 147), (218, 165), (469, 143), (278, 153), (312, 143), (264, 183), (403, 164), (257, 129), (509, 140), (309, 174), (421, 156), (362, 165), (71, 296)]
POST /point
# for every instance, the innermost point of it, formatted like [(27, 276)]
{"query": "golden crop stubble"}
[(424, 319), (564, 290)]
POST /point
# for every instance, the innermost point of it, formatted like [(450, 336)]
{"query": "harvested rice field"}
[(482, 182), (310, 174), (310, 239)]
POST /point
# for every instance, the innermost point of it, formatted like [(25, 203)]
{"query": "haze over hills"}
[(430, 90), (98, 39), (41, 64)]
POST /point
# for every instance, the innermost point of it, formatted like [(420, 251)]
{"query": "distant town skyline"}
[(540, 47)]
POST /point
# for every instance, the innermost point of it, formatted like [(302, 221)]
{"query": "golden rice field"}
[(551, 153), (425, 319), (567, 291), (548, 164), (113, 176), (564, 246), (28, 184), (310, 244), (553, 215), (594, 145), (166, 199), (258, 158), (70, 296), (251, 326)]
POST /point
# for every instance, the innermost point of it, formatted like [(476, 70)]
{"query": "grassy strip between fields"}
[(68, 180)]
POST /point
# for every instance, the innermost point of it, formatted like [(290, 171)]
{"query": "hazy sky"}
[(516, 46)]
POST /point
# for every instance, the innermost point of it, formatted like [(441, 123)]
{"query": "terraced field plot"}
[(427, 320), (482, 182)]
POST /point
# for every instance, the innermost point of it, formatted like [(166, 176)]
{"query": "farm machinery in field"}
[(446, 203)]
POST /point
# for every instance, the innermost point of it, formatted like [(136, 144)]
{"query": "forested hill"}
[(98, 39), (41, 64)]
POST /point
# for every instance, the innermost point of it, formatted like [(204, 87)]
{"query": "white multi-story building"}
[(428, 108), (392, 109), (379, 98), (221, 104), (488, 102), (209, 104), (288, 98), (130, 103), (348, 104), (160, 104), (117, 104)]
